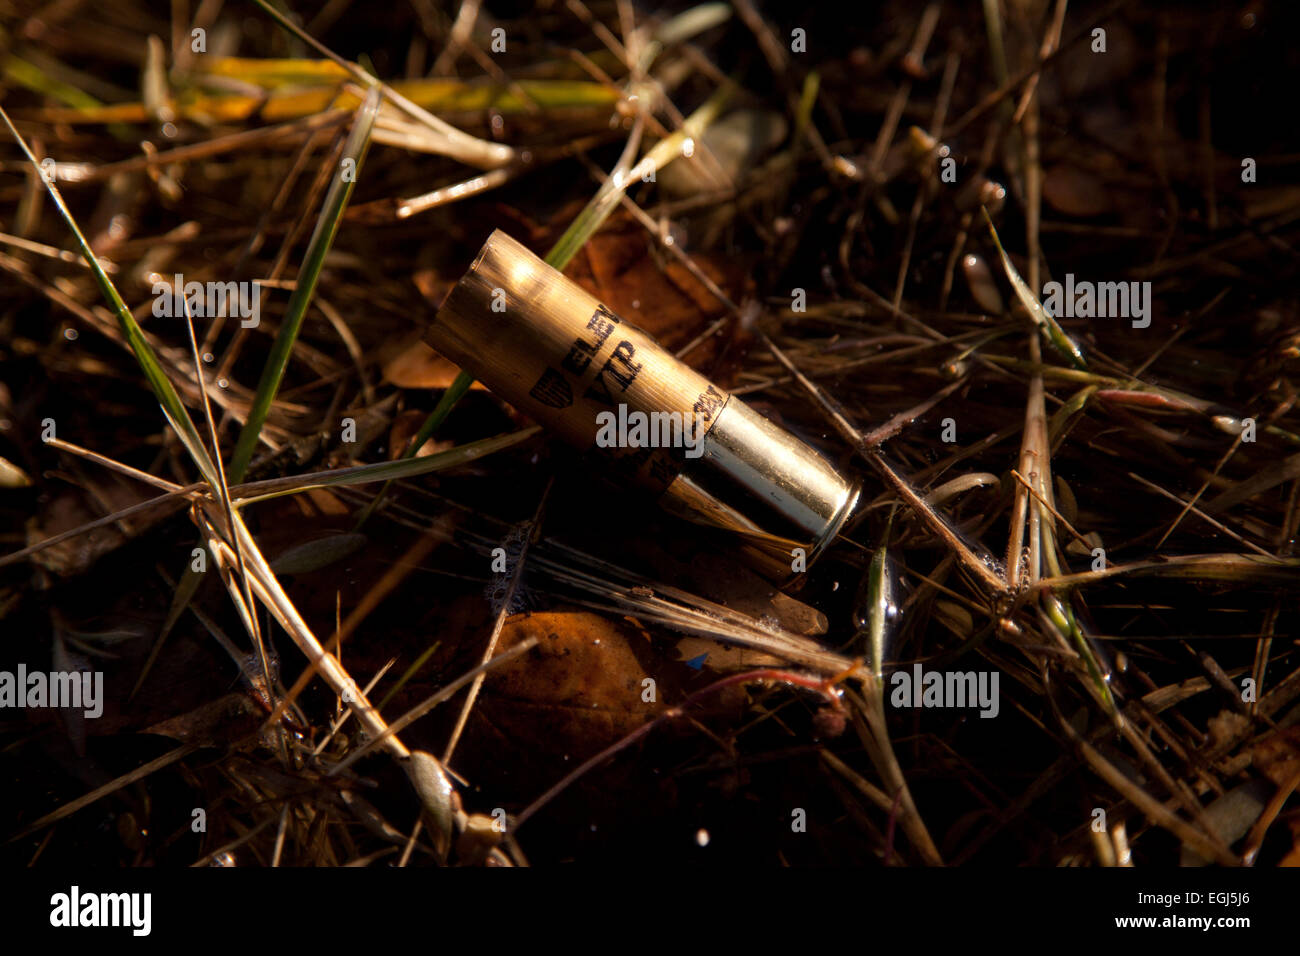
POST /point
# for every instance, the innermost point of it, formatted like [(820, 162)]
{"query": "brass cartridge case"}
[(544, 344)]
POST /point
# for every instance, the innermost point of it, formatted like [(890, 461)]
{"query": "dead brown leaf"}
[(412, 364)]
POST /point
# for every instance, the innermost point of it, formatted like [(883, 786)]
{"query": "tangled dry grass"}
[(1100, 512)]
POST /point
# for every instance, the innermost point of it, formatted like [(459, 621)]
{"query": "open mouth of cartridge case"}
[(547, 346), (759, 481)]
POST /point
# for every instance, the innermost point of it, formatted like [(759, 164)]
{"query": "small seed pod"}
[(983, 288)]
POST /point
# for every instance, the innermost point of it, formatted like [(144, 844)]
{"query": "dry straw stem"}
[(1208, 846), (680, 610), (868, 713), (234, 545), (125, 780), (1099, 455), (449, 140), (980, 567), (531, 531), (267, 489)]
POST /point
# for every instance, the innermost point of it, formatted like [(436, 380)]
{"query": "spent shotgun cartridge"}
[(552, 350)]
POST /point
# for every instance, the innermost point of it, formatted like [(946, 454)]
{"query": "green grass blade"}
[(162, 387), (384, 470), (22, 73), (327, 226), (440, 412), (450, 397), (1048, 325), (408, 674), (1063, 619)]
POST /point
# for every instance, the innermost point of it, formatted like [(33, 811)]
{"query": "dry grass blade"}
[(446, 693), (125, 780), (162, 387), (1098, 561), (453, 142), (980, 566), (527, 535)]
